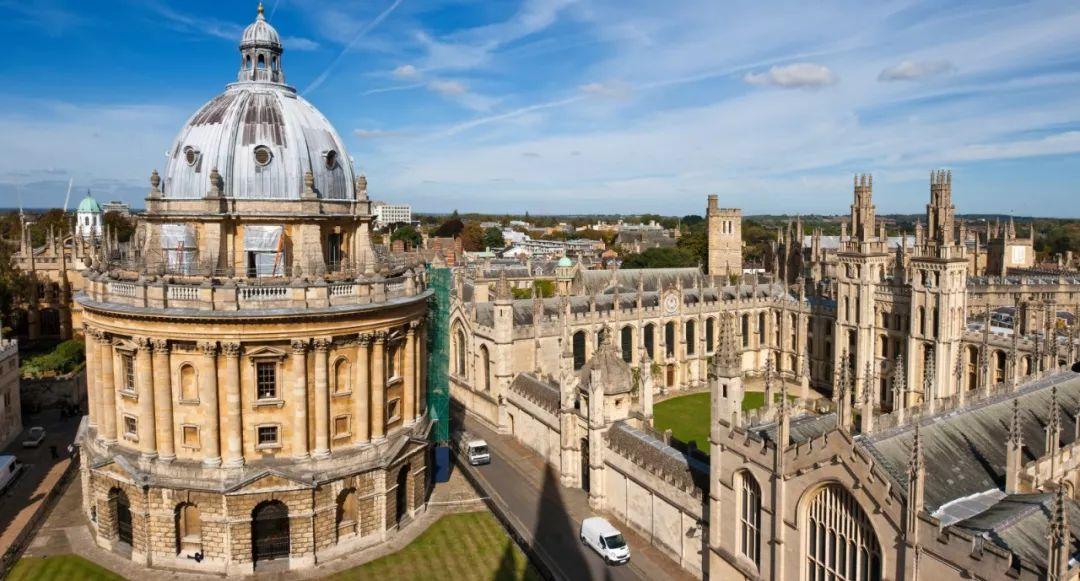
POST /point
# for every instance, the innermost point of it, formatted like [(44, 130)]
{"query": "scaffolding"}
[(438, 387)]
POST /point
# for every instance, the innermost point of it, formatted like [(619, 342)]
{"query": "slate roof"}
[(653, 279), (803, 428), (964, 450), (537, 391), (1019, 524)]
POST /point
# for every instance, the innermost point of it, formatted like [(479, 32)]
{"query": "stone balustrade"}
[(227, 295)]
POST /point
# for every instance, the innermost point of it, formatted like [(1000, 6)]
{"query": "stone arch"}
[(401, 494), (485, 368), (460, 347), (189, 381), (746, 330), (269, 531), (347, 520), (342, 374), (626, 343), (836, 529), (690, 334), (188, 526), (578, 344), (120, 511), (1025, 365), (649, 339), (710, 334), (748, 513)]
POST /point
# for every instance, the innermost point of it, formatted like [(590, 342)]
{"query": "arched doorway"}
[(401, 506), (269, 531), (585, 464), (122, 509)]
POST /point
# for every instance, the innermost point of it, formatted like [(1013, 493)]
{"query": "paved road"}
[(550, 515), (40, 472)]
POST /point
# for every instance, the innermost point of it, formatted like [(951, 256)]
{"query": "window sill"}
[(190, 447), (269, 403), (131, 438), (266, 447), (133, 396), (342, 436), (188, 402), (393, 419), (341, 393)]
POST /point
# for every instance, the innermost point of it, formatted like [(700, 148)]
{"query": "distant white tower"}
[(88, 217)]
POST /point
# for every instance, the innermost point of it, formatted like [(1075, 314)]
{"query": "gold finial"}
[(260, 9)]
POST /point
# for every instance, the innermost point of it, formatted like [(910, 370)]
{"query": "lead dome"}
[(260, 136)]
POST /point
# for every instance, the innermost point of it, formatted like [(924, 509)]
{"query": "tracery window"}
[(840, 543), (750, 518)]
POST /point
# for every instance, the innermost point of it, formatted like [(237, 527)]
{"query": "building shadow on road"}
[(554, 525)]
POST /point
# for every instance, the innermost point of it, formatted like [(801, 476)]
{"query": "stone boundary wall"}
[(38, 393)]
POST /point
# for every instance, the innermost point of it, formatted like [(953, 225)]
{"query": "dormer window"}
[(191, 155), (331, 159), (263, 155)]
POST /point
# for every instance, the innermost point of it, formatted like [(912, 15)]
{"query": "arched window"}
[(188, 529), (189, 383), (840, 544), (920, 320), (691, 337), (794, 328), (626, 340), (347, 514), (710, 335), (1025, 365), (341, 376), (777, 319), (650, 340), (847, 310), (262, 62), (761, 328), (459, 343), (936, 329), (669, 339), (749, 517), (485, 367), (579, 349), (746, 330), (999, 366)]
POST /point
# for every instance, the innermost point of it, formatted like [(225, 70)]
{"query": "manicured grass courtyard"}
[(60, 568), (469, 546), (688, 416)]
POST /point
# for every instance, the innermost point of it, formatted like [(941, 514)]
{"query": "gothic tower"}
[(724, 229)]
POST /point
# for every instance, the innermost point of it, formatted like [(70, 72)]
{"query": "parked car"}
[(605, 539), (474, 449), (34, 437), (10, 467)]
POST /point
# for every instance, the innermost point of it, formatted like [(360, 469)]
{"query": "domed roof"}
[(565, 261), (89, 205), (260, 33), (611, 372), (260, 137)]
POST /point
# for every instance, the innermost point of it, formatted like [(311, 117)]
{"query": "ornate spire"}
[(1060, 545), (1016, 436)]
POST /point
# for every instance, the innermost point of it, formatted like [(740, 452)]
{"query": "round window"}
[(191, 155), (331, 159), (263, 155)]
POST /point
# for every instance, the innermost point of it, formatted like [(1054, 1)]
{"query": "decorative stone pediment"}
[(269, 481), (266, 352)]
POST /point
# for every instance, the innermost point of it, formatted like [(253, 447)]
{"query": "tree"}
[(661, 258), (451, 228), (123, 226), (493, 238), (472, 237), (409, 235)]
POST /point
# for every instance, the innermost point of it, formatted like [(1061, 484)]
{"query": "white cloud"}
[(375, 133), (447, 87), (299, 43), (406, 72), (795, 75), (911, 70), (613, 89)]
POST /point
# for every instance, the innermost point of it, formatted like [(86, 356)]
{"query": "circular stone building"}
[(255, 371)]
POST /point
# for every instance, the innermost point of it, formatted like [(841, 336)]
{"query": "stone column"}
[(108, 388), (362, 390), (299, 383), (408, 389), (421, 369), (322, 399), (93, 391), (378, 387), (144, 381), (211, 427), (234, 429), (163, 401)]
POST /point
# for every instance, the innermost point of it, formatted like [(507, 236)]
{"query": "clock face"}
[(671, 303)]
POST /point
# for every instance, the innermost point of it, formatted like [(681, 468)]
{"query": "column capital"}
[(322, 344), (299, 346), (364, 339), (230, 349), (413, 326), (208, 348), (143, 343), (161, 345), (380, 336)]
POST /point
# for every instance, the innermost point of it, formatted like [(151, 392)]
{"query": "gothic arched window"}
[(749, 518), (840, 543)]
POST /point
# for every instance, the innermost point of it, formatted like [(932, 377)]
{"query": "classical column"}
[(408, 394), (234, 430), (108, 388), (421, 366), (163, 401), (362, 390), (144, 382), (93, 392), (378, 387), (322, 399), (299, 382), (211, 428)]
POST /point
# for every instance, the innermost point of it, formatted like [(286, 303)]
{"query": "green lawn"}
[(688, 416), (60, 568), (459, 546)]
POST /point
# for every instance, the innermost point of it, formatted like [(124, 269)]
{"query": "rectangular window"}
[(131, 427), (392, 410), (341, 426), (268, 436), (127, 363), (391, 361), (191, 436), (266, 380)]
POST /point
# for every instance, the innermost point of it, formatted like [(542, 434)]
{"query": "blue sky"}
[(576, 106)]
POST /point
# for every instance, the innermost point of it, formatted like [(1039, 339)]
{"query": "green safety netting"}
[(438, 343)]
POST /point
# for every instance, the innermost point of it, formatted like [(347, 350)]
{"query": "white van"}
[(605, 539), (474, 449), (9, 470)]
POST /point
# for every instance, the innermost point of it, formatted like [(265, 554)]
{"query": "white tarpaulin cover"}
[(178, 246), (264, 245)]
